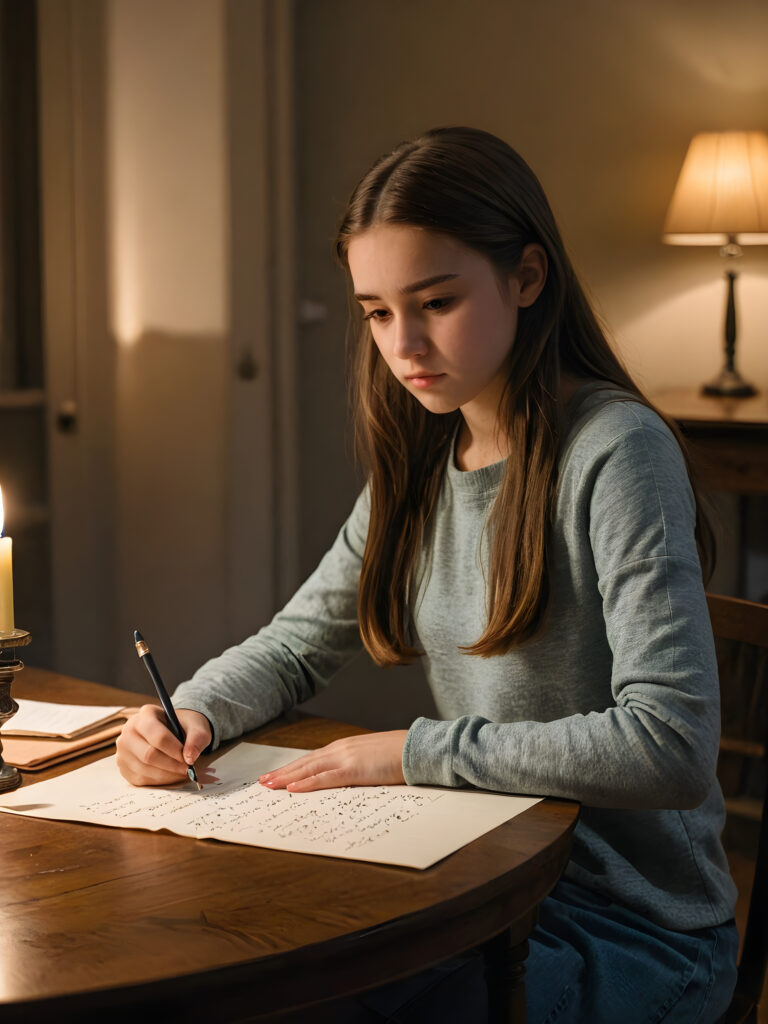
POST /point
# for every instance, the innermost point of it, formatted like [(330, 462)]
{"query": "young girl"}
[(528, 530)]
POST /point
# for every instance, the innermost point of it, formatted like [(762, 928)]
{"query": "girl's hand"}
[(148, 754), (373, 759)]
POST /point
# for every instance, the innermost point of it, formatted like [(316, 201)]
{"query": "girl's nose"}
[(410, 339)]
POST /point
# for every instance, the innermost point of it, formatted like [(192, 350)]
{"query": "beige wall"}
[(601, 97)]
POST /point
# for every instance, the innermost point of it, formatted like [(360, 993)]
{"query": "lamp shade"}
[(722, 191)]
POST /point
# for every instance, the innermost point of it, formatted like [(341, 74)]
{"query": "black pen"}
[(142, 649)]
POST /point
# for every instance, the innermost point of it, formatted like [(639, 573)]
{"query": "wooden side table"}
[(728, 436)]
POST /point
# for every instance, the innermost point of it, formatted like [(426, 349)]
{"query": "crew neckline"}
[(486, 479), (474, 481)]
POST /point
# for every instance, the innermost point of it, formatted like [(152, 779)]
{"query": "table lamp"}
[(721, 198)]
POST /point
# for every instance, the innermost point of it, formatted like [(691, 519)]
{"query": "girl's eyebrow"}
[(409, 289)]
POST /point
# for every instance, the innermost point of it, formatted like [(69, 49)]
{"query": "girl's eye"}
[(436, 305), (431, 306)]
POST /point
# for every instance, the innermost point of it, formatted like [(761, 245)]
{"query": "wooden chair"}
[(740, 623)]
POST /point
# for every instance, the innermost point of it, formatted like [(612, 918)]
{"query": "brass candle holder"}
[(10, 777)]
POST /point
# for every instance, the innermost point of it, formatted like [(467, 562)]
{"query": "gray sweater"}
[(616, 705)]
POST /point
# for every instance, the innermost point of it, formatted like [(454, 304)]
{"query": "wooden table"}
[(116, 924), (728, 436)]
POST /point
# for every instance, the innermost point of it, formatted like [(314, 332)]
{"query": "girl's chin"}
[(438, 404)]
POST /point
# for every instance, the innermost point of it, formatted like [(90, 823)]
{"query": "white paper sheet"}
[(42, 718), (413, 826)]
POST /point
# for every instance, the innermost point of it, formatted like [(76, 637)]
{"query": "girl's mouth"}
[(426, 380)]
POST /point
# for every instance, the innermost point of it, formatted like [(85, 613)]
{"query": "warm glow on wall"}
[(167, 169)]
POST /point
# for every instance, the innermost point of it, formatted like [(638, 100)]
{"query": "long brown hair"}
[(472, 186)]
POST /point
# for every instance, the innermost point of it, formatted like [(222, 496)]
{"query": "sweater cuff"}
[(427, 754)]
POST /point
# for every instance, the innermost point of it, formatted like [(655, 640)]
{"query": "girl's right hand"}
[(148, 754)]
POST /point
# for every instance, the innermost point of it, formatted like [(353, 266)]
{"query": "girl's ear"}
[(531, 274)]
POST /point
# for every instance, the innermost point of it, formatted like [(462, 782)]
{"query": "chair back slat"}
[(746, 622), (734, 619)]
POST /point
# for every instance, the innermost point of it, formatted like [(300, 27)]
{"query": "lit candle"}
[(6, 576)]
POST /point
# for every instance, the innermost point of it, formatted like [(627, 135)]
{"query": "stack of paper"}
[(42, 734)]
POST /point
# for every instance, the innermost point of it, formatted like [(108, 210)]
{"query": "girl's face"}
[(441, 316)]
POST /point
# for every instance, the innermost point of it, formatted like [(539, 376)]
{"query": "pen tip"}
[(137, 637)]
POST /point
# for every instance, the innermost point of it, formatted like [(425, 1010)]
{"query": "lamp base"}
[(729, 384)]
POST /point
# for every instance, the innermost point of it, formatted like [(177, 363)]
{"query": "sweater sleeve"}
[(287, 661), (655, 744)]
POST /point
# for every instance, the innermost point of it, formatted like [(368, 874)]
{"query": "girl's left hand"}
[(373, 759)]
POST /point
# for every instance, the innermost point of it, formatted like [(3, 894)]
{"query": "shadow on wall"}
[(375, 698)]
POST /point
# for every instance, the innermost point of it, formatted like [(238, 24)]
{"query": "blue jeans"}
[(590, 962)]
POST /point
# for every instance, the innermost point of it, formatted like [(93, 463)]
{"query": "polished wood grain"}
[(97, 920), (690, 406)]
